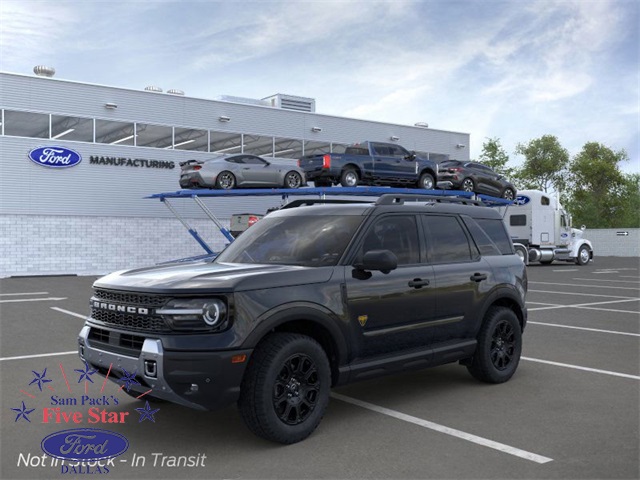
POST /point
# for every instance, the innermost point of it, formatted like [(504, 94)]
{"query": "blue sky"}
[(514, 70)]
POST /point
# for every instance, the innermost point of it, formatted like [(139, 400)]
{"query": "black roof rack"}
[(391, 199)]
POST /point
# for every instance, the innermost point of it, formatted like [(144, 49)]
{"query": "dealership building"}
[(89, 214)]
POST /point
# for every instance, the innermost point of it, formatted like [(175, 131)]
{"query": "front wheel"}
[(285, 390), (499, 347), (226, 180), (468, 185), (349, 178), (426, 181), (583, 255), (292, 180)]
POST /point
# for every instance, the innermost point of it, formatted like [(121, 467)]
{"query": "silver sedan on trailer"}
[(240, 170)]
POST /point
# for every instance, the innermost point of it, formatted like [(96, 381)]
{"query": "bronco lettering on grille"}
[(120, 308)]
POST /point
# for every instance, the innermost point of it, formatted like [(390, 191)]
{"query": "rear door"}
[(462, 277)]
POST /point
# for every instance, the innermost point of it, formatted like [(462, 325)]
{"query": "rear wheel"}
[(285, 390), (499, 347), (349, 178), (292, 180), (468, 185), (226, 180)]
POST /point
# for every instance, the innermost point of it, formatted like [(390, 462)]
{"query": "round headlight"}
[(213, 312)]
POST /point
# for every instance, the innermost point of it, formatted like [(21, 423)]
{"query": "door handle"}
[(478, 277), (418, 283)]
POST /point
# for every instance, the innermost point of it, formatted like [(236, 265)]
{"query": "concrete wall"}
[(607, 242)]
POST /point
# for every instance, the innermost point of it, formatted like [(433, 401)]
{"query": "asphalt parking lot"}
[(571, 410)]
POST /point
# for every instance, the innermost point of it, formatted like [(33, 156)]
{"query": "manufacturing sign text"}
[(130, 162), (55, 157)]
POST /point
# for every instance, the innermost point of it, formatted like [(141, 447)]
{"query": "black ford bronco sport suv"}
[(314, 297)]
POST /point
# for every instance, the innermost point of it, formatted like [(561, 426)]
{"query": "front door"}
[(390, 311)]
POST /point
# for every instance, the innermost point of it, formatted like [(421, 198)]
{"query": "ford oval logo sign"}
[(84, 444), (55, 157), (521, 200)]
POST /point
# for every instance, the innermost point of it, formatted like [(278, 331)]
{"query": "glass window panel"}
[(191, 139), (156, 136), (288, 148), (449, 243), (72, 128), (115, 133), (26, 124), (225, 142), (314, 148), (338, 147), (258, 145)]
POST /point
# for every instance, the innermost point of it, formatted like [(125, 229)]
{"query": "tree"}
[(599, 194), (494, 156), (545, 164)]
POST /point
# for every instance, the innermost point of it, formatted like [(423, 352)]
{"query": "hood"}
[(201, 277)]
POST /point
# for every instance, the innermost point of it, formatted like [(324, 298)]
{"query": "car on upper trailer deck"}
[(240, 170)]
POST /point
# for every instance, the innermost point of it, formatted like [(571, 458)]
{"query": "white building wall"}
[(55, 245), (611, 242)]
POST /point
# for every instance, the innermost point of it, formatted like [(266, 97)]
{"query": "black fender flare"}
[(500, 294), (300, 311)]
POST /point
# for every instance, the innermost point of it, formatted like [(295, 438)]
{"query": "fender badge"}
[(362, 319)]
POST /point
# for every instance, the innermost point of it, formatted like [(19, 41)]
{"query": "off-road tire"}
[(285, 390), (499, 347)]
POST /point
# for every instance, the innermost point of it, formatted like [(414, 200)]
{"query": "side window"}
[(253, 160), (398, 233), (495, 231), (518, 220), (447, 240), (545, 201)]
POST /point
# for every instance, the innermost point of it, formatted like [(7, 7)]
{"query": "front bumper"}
[(200, 380)]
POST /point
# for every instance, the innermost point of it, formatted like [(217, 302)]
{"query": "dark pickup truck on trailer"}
[(371, 163), (312, 297)]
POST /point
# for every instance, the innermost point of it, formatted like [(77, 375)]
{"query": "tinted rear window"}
[(495, 233), (447, 240)]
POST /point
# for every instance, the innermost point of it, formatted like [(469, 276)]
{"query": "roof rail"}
[(391, 199)]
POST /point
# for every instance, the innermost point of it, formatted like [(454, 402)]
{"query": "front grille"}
[(128, 298), (138, 322)]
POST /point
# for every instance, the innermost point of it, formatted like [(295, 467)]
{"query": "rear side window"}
[(518, 220), (494, 228), (446, 241)]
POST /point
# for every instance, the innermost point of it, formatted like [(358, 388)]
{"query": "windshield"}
[(309, 240)]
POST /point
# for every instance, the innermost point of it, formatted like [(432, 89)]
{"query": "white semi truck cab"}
[(541, 230)]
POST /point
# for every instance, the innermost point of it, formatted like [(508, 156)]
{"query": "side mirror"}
[(411, 156), (382, 260)]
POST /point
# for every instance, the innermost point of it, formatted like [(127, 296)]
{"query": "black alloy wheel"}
[(499, 347), (285, 389), (295, 394)]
